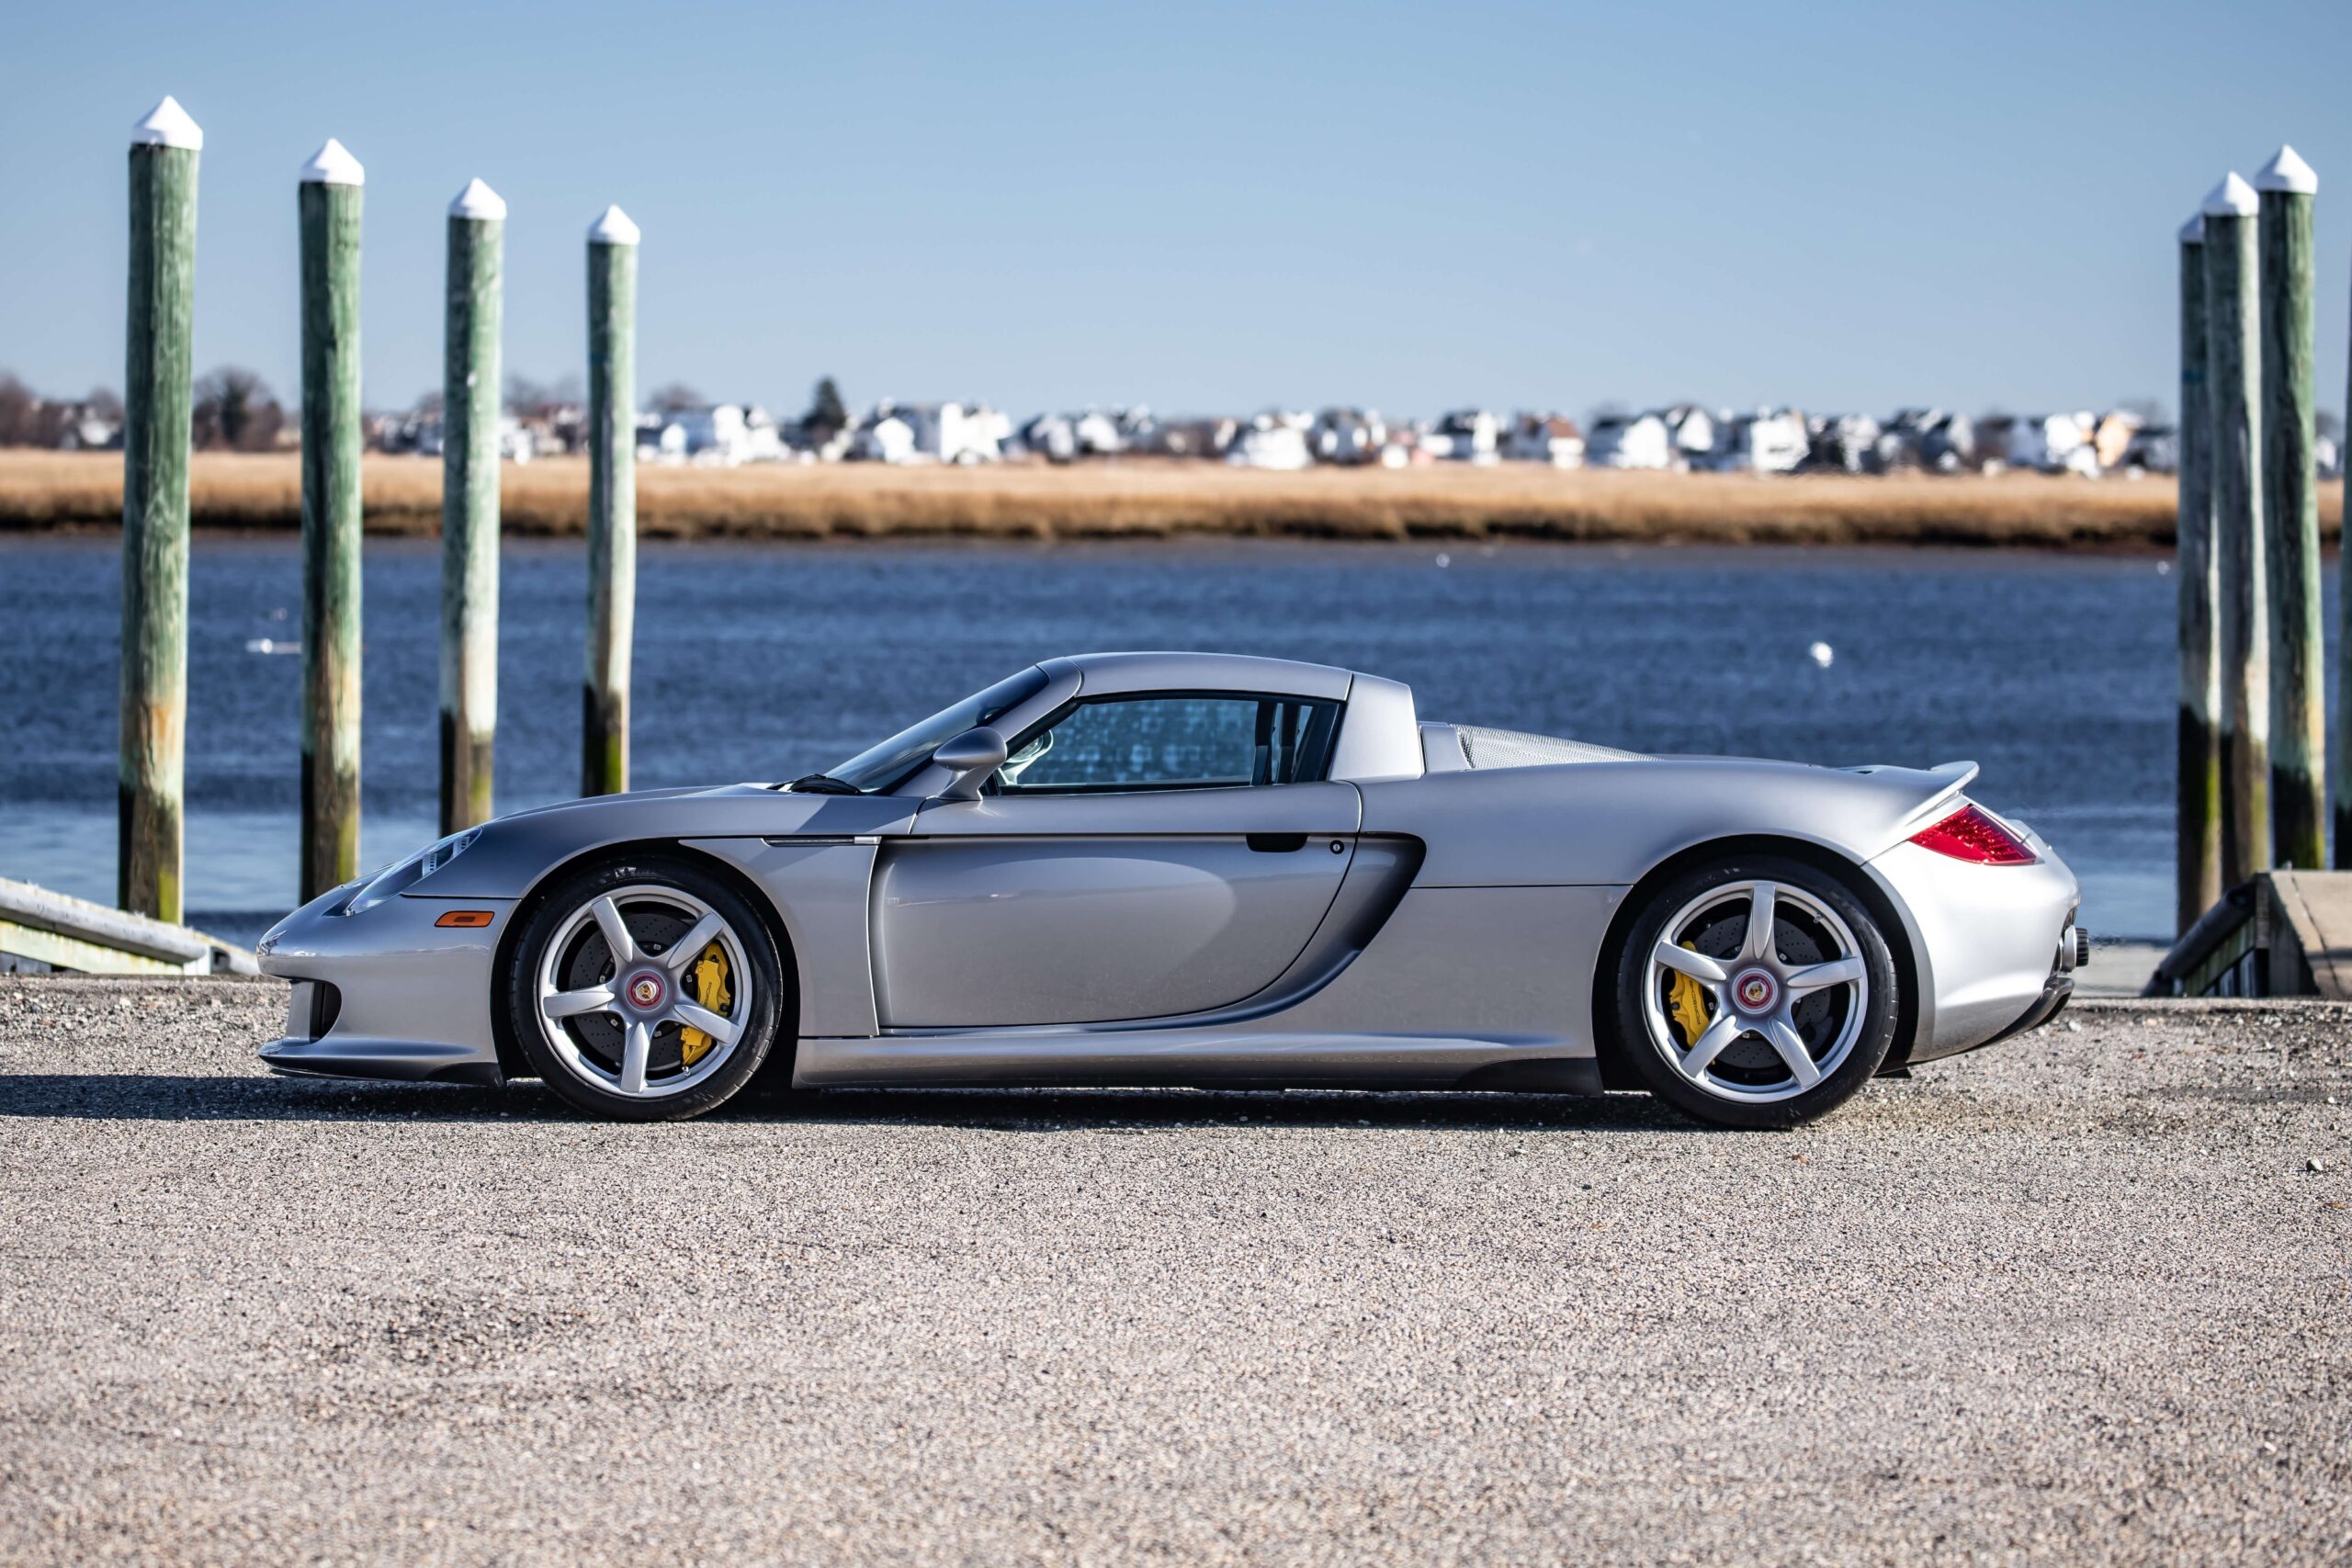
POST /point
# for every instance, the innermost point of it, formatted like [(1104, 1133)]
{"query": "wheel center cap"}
[(644, 990), (1754, 991)]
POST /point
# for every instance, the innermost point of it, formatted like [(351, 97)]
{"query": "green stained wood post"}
[(2233, 392), (470, 419), (329, 206), (164, 149), (2340, 777), (2198, 800), (612, 502), (2291, 516)]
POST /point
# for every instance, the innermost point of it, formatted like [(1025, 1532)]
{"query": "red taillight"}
[(1971, 835)]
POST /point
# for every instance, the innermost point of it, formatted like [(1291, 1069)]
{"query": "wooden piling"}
[(164, 149), (328, 202), (2290, 517), (2340, 758), (612, 502), (470, 435), (2233, 392), (2199, 798)]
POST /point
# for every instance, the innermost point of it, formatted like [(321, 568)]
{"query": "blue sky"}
[(1207, 206)]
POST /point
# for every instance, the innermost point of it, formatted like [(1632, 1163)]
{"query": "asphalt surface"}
[(2082, 1296)]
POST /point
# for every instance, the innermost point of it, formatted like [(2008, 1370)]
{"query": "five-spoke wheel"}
[(648, 990), (1756, 993)]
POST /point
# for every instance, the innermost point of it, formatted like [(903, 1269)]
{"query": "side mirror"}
[(973, 756)]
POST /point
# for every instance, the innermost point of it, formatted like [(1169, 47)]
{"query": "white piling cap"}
[(333, 165), (613, 228), (2287, 172), (478, 200), (2232, 199), (167, 125), (2193, 231)]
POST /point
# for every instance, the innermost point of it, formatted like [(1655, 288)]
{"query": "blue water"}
[(768, 661)]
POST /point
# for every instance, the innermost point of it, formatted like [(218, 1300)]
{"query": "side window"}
[(1174, 741)]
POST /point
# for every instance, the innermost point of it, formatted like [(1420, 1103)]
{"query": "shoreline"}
[(1128, 499)]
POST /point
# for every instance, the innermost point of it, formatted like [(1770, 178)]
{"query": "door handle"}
[(1277, 843)]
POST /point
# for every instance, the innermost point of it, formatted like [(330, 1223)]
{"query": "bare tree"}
[(526, 398), (675, 396), (235, 409), (19, 409)]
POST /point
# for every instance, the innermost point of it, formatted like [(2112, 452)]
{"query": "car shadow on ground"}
[(154, 1097)]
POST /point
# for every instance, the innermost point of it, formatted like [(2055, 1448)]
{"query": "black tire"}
[(1820, 1020), (760, 1017)]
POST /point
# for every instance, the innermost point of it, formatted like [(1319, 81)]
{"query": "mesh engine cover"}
[(1512, 749)]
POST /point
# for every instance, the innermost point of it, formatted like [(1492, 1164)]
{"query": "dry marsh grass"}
[(1145, 498)]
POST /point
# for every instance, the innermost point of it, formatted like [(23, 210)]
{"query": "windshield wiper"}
[(823, 783)]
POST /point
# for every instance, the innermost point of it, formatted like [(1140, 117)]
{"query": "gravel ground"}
[(2085, 1296)]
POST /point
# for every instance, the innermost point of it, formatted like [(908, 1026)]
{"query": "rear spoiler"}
[(1938, 785)]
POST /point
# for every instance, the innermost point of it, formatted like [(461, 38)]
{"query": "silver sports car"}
[(1210, 870)]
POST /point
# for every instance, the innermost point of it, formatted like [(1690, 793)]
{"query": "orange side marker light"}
[(471, 918)]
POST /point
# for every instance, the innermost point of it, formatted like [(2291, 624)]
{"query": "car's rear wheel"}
[(1755, 992), (646, 990)]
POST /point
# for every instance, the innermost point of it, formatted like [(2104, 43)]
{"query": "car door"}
[(1140, 855)]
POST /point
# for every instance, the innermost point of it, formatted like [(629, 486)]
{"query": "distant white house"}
[(932, 433), (2051, 442), (1630, 441), (1273, 441), (1347, 436), (87, 432), (1098, 433), (1465, 436), (1187, 437), (516, 441), (1948, 443), (958, 432), (1845, 442), (1766, 441), (1691, 432), (885, 436), (718, 435), (1050, 436), (1545, 438)]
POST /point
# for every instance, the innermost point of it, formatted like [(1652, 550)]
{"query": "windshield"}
[(879, 767)]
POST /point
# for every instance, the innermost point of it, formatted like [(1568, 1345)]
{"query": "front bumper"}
[(386, 994), (1985, 941)]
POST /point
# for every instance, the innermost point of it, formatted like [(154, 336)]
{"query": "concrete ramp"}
[(42, 931), (2280, 934)]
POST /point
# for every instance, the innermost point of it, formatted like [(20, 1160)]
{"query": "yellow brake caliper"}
[(1686, 1000), (710, 991)]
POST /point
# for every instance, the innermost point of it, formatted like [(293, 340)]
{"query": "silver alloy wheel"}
[(1755, 992), (642, 988)]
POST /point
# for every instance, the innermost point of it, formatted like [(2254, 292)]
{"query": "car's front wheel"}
[(1755, 992), (645, 990)]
